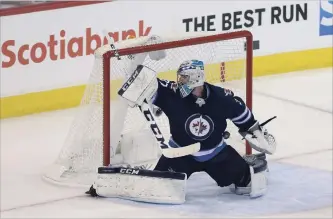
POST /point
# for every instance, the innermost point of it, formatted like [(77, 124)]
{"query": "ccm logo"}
[(129, 171), (153, 125), (130, 80)]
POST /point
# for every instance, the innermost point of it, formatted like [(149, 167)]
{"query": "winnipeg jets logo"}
[(199, 127)]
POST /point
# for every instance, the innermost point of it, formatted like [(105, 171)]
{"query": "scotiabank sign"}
[(59, 46)]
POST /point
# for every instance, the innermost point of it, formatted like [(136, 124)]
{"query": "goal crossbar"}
[(248, 47)]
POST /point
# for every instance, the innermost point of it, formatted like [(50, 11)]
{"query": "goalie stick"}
[(166, 149), (261, 125)]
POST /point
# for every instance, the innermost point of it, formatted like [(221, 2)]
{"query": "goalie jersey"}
[(202, 120)]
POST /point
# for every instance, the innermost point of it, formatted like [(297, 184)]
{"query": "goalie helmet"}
[(190, 74)]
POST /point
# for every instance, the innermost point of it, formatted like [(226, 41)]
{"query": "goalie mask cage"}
[(104, 123)]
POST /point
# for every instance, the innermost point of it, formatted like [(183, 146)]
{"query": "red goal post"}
[(106, 131), (107, 65)]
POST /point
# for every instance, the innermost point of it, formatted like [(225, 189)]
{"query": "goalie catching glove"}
[(259, 138)]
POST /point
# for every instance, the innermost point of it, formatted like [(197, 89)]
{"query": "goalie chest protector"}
[(201, 120)]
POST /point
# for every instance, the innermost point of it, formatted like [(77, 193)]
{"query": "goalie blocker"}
[(140, 185)]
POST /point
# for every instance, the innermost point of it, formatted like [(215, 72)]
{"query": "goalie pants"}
[(226, 168)]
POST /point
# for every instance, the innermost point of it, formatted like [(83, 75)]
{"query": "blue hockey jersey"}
[(201, 120)]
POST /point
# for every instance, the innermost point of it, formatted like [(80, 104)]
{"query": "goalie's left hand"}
[(259, 139)]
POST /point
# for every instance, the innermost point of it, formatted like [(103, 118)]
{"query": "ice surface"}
[(302, 102)]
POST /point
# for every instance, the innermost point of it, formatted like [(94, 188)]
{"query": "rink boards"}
[(67, 97)]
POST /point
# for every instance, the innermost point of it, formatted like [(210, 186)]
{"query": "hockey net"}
[(106, 131)]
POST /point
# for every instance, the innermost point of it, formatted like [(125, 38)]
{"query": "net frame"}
[(107, 65)]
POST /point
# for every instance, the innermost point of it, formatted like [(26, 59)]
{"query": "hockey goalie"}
[(198, 112)]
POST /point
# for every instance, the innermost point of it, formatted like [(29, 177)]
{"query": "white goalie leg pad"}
[(256, 188), (159, 54), (141, 185), (258, 183), (138, 149), (259, 179)]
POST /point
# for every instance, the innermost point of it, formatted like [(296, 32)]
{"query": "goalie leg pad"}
[(159, 54), (141, 185), (258, 185)]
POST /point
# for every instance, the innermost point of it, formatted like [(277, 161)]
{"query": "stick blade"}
[(182, 151)]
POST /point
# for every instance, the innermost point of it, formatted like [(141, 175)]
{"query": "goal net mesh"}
[(131, 139)]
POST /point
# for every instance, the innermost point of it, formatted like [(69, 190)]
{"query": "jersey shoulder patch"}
[(168, 84), (222, 91)]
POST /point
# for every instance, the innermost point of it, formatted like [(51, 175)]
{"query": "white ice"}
[(302, 102)]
